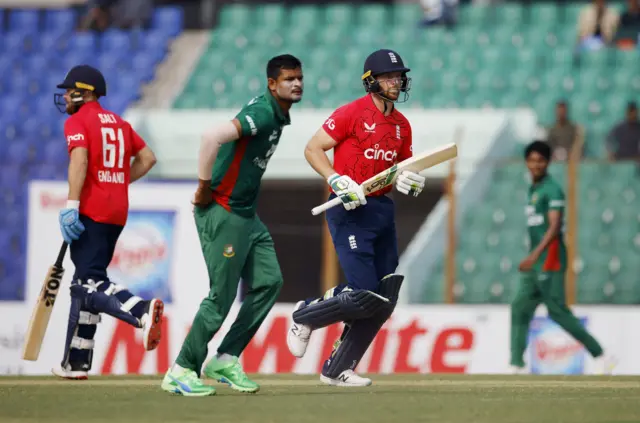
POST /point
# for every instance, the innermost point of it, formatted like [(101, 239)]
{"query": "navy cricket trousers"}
[(365, 241), (93, 251)]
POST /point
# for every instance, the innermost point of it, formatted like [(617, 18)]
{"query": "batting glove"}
[(348, 190), (70, 224), (410, 183)]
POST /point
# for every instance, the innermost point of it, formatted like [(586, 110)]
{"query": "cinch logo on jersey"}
[(378, 154), (252, 124), (111, 177), (76, 137)]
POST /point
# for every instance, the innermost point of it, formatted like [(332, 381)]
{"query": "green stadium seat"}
[(339, 14), (376, 16), (235, 16), (406, 15), (476, 15), (545, 13), (270, 16), (308, 16), (590, 287), (369, 38), (510, 12)]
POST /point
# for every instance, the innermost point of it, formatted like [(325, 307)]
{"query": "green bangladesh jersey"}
[(239, 166), (544, 196)]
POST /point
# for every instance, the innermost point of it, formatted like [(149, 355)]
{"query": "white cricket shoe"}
[(604, 364), (67, 373), (515, 370), (298, 335), (346, 378), (152, 324)]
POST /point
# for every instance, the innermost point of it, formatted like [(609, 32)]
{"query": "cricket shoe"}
[(517, 370), (229, 370), (347, 378), (152, 324), (68, 373), (604, 364), (185, 382), (298, 335)]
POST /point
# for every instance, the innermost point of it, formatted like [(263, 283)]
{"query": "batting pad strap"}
[(82, 344), (130, 303), (114, 289), (87, 318), (346, 306)]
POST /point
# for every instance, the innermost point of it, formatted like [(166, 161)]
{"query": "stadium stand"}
[(37, 48), (506, 56)]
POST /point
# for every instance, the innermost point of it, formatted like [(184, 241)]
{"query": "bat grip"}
[(61, 254), (326, 206)]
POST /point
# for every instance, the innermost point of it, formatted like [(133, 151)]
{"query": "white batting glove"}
[(410, 183), (348, 190)]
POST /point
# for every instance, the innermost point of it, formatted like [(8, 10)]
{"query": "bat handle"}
[(326, 206), (61, 254)]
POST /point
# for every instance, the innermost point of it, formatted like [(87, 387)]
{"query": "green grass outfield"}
[(301, 399)]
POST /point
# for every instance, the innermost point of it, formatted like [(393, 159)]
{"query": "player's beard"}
[(391, 94), (71, 108), (287, 91)]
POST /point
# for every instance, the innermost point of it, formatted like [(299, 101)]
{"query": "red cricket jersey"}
[(111, 143), (368, 141)]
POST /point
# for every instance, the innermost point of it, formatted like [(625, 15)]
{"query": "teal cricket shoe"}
[(231, 373), (187, 383)]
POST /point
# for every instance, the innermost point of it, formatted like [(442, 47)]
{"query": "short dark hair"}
[(562, 103), (632, 106), (284, 61), (539, 147)]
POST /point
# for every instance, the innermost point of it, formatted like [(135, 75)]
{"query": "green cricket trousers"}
[(234, 247)]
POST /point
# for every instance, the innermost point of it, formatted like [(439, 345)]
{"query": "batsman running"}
[(235, 243), (368, 136), (543, 270), (101, 146)]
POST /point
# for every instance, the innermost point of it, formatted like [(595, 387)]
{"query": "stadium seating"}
[(506, 56), (607, 265), (37, 48)]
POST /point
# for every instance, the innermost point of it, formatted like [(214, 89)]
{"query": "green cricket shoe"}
[(186, 383), (231, 373)]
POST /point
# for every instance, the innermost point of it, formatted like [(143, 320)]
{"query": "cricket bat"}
[(44, 306), (416, 164)]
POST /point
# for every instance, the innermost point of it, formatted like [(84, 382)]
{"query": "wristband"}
[(333, 176), (73, 204)]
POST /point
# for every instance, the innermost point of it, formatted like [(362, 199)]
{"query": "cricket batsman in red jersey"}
[(368, 136), (101, 146)]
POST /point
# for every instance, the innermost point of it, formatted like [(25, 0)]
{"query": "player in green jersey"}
[(235, 243), (543, 269)]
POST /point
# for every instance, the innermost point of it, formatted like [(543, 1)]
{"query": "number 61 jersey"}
[(111, 142)]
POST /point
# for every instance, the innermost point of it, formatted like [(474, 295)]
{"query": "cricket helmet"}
[(385, 61), (80, 79)]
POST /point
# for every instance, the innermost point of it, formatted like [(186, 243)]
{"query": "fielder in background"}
[(368, 136), (235, 243), (543, 270), (101, 146)]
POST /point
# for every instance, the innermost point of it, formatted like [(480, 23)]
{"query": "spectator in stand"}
[(627, 34), (597, 25), (623, 142), (439, 12), (124, 14), (561, 135)]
